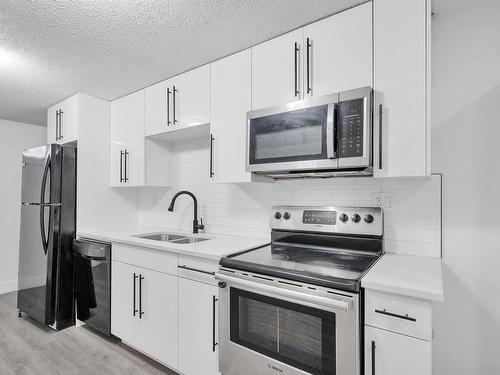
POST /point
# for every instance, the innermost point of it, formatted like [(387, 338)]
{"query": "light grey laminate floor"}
[(27, 348)]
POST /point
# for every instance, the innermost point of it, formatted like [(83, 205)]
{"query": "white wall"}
[(412, 223), (14, 138), (465, 136)]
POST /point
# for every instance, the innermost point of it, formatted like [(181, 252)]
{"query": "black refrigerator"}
[(48, 227)]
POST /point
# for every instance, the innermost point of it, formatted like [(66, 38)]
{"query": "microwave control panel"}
[(350, 121)]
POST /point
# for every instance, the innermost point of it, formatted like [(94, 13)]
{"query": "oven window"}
[(289, 136), (300, 336)]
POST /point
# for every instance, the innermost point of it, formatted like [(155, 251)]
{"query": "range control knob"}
[(277, 215), (286, 215), (369, 219), (356, 218), (343, 218)]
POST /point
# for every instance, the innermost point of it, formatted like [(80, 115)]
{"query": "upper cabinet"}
[(179, 102), (62, 121), (135, 160), (401, 88), (276, 70), (231, 99), (338, 52), (325, 57)]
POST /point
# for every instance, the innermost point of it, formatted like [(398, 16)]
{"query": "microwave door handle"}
[(331, 132)]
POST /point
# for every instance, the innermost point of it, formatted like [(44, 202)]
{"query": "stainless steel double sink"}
[(172, 238)]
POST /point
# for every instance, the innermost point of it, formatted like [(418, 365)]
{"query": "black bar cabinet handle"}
[(168, 106), (211, 155), (174, 90), (61, 135), (184, 267), (214, 343), (125, 170), (134, 311), (394, 315), (57, 125), (380, 111), (296, 51), (121, 165), (141, 312), (373, 357), (309, 45)]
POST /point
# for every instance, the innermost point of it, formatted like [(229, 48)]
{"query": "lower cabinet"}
[(388, 353), (144, 311), (198, 327)]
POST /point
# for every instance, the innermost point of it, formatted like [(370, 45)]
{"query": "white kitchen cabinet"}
[(63, 120), (339, 49), (231, 99), (401, 88), (179, 102), (276, 70), (389, 353), (127, 140), (135, 160), (145, 318), (125, 323), (198, 320), (160, 309)]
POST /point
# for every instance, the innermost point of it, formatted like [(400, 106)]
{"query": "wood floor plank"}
[(27, 348)]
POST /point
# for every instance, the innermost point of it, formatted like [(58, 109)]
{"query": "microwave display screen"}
[(351, 116)]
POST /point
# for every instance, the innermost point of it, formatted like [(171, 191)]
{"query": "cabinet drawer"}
[(156, 260), (199, 269), (405, 315)]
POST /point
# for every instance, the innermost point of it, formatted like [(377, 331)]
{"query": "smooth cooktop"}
[(332, 267)]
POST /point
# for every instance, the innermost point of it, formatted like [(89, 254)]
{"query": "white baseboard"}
[(8, 286)]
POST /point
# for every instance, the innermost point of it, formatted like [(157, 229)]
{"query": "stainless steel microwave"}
[(315, 137)]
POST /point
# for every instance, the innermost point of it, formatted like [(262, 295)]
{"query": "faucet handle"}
[(201, 226)]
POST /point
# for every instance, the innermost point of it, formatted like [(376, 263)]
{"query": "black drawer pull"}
[(405, 317), (196, 270)]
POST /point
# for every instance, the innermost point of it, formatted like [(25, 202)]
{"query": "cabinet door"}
[(231, 99), (155, 108), (340, 52), (159, 304), (401, 82), (127, 136), (190, 97), (395, 354), (124, 324), (51, 124), (276, 75), (69, 119), (198, 313)]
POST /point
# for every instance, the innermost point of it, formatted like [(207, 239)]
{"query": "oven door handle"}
[(331, 303)]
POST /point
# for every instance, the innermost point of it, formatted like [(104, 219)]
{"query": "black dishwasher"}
[(92, 272)]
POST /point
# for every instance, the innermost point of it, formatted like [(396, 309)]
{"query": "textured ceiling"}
[(51, 49)]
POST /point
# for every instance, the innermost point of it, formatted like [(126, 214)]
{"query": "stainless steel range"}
[(294, 306)]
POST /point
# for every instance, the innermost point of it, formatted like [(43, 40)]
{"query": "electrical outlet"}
[(380, 199)]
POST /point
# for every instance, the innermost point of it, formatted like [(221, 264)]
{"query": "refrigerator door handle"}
[(46, 173)]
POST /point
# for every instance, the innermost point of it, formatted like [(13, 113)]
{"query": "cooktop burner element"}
[(312, 246)]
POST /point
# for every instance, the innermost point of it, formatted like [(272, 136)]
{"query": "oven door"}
[(268, 329), (292, 137)]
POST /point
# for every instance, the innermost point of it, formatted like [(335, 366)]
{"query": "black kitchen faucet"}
[(196, 226)]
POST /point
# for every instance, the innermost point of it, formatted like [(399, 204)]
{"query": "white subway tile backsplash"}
[(412, 222)]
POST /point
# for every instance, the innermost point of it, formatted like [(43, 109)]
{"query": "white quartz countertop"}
[(413, 276), (215, 248)]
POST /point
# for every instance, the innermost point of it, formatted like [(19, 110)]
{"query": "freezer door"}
[(37, 263), (35, 164)]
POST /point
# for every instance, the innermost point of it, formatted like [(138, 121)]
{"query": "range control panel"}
[(346, 220), (351, 114)]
